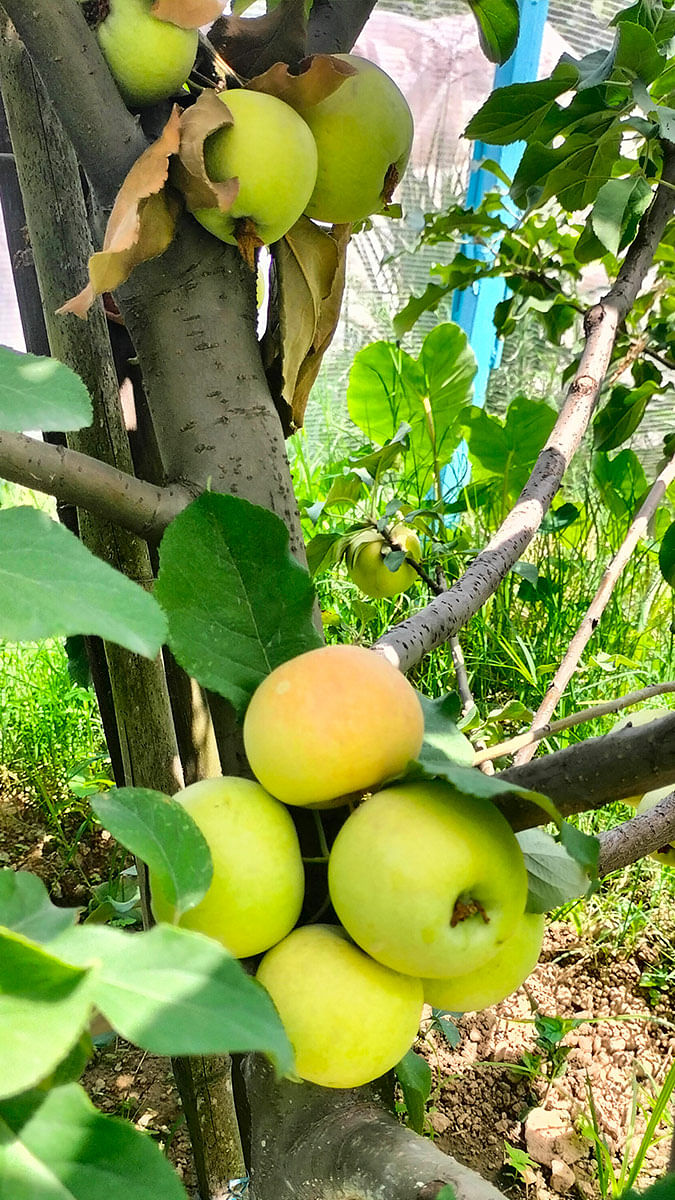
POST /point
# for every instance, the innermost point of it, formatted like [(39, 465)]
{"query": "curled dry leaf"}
[(317, 77), (188, 14), (252, 44), (142, 222), (310, 263), (203, 118)]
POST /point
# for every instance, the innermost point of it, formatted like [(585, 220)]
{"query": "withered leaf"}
[(318, 77), (252, 44), (206, 116), (311, 271), (188, 14), (141, 224)]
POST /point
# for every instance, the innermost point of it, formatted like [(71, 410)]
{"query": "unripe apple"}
[(644, 716), (496, 978), (331, 723), (148, 58), (349, 1019), (272, 153), (363, 132), (666, 854), (257, 889), (367, 568), (426, 880)]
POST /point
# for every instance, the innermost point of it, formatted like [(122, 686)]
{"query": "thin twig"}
[(578, 718), (597, 606)]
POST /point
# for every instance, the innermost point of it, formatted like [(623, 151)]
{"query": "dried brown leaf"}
[(252, 44), (206, 116), (318, 77), (311, 269), (188, 14), (141, 224)]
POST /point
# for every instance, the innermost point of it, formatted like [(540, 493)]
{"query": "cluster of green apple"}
[(429, 886), (336, 159)]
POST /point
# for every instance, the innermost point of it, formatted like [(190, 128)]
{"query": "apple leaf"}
[(56, 1146), (159, 831), (187, 14), (25, 907), (250, 45), (583, 847), (172, 991), (238, 603), (498, 26), (554, 875), (40, 393), (414, 1075), (515, 112), (443, 742), (44, 1007), (52, 586), (207, 115)]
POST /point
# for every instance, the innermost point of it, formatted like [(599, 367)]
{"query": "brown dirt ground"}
[(477, 1101)]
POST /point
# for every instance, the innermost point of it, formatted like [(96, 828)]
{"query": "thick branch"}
[(641, 835), (106, 137), (104, 491), (595, 772), (610, 578), (408, 642), (334, 25)]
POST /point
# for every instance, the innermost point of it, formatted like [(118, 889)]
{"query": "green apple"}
[(367, 568), (426, 880), (272, 153), (363, 132), (257, 889), (644, 716), (497, 977), (666, 855), (349, 1019), (148, 58), (331, 723)]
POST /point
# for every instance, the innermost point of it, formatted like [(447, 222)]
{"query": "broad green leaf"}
[(572, 173), (52, 586), (621, 481), (324, 550), (621, 415), (237, 602), (172, 991), (498, 26), (416, 306), (44, 1006), (617, 210), (514, 113), (583, 847), (470, 781), (414, 1075), (554, 876), (430, 394), (442, 740), (667, 555), (637, 54), (559, 518), (659, 20), (159, 831), (509, 448), (40, 393), (25, 907), (57, 1146)]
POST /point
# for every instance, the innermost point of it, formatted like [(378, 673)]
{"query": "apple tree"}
[(189, 577)]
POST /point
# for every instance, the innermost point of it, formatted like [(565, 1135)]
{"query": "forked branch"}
[(408, 642)]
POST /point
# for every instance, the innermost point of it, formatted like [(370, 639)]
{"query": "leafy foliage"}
[(40, 393)]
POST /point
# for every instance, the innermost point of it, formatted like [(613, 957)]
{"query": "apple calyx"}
[(391, 182), (467, 908), (248, 240), (95, 12)]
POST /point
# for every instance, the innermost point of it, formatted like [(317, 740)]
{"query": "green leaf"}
[(510, 448), (172, 991), (159, 831), (559, 518), (554, 875), (667, 555), (621, 481), (414, 1075), (40, 393), (617, 210), (660, 21), (25, 907), (238, 603), (573, 173), (52, 586), (430, 394), (637, 54), (442, 740), (583, 847), (324, 550), (411, 312), (44, 1006), (514, 113), (498, 26), (622, 414), (57, 1146)]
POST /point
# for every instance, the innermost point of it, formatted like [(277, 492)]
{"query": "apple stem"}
[(95, 12), (467, 908), (323, 844), (248, 240)]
